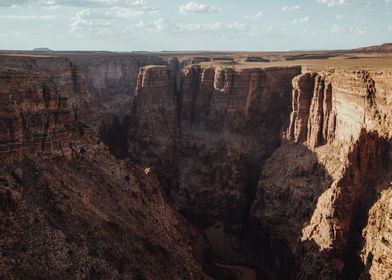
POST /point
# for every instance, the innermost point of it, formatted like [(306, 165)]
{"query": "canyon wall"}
[(68, 208), (336, 155), (59, 70), (284, 169), (108, 75), (322, 162), (208, 137), (35, 117)]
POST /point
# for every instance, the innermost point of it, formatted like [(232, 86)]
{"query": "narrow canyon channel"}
[(247, 273)]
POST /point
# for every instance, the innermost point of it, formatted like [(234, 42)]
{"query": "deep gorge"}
[(285, 170)]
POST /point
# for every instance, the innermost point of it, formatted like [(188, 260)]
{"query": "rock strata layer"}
[(209, 136), (35, 118), (333, 173), (321, 164), (286, 170), (68, 208)]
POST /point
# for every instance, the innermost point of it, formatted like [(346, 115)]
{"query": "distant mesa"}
[(42, 50), (256, 59), (384, 48)]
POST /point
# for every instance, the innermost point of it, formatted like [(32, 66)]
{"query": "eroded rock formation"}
[(210, 138), (342, 121), (68, 208), (35, 118), (316, 186), (285, 170)]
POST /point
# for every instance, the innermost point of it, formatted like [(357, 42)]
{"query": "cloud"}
[(339, 17), (358, 30), (196, 8), (336, 28), (131, 12), (100, 20), (10, 3), (331, 3), (390, 27), (365, 3), (211, 27), (139, 4), (158, 25), (165, 25), (301, 20), (255, 16), (88, 20), (291, 8), (28, 17)]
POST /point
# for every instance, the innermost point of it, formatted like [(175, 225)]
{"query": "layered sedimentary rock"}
[(317, 115), (89, 216), (59, 70), (209, 138), (376, 252), (155, 115), (35, 118), (109, 75), (319, 209), (341, 122)]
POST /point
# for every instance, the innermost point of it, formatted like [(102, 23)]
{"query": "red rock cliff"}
[(342, 122), (35, 117), (209, 136), (91, 216)]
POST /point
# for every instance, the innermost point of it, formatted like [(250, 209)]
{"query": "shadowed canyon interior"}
[(178, 166)]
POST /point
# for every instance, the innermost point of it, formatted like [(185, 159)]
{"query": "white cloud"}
[(301, 20), (339, 17), (139, 4), (10, 3), (158, 25), (197, 8), (210, 27), (201, 27), (388, 1), (365, 5), (28, 17), (358, 30), (291, 8), (390, 27), (332, 3), (166, 25), (255, 16), (94, 21), (336, 28), (100, 20), (131, 12)]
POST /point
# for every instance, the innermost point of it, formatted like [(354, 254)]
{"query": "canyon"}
[(195, 166)]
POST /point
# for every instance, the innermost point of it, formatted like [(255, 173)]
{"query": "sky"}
[(226, 25)]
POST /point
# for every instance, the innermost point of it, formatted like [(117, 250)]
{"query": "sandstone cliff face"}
[(360, 100), (59, 70), (155, 115), (35, 118), (209, 139), (111, 75), (376, 251), (111, 81), (342, 121), (90, 216), (319, 209)]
